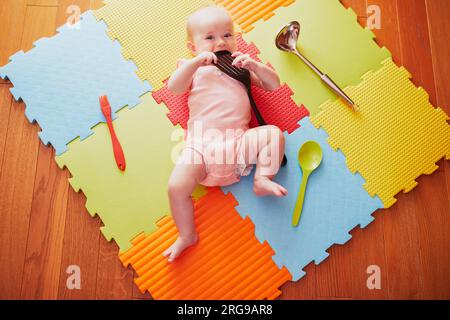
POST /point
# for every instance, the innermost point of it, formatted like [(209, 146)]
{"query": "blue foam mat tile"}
[(335, 203), (61, 78)]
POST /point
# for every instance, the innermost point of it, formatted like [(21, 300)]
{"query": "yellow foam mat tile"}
[(228, 262), (397, 135), (152, 33), (247, 12), (132, 201), (330, 37)]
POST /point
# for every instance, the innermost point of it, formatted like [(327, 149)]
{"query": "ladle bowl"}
[(287, 39)]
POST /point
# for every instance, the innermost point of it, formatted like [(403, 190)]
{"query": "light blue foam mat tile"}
[(335, 203), (61, 78)]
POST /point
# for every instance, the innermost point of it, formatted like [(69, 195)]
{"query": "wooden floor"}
[(44, 226)]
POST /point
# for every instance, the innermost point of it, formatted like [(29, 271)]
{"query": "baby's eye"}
[(227, 35), (209, 37)]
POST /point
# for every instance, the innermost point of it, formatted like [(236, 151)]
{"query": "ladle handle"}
[(299, 204), (309, 63), (328, 81), (258, 115), (337, 90)]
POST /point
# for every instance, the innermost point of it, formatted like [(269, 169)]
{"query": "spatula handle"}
[(261, 120), (255, 109), (117, 147)]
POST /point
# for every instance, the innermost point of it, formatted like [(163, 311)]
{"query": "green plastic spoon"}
[(309, 158)]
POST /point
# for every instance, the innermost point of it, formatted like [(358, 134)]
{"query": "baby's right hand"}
[(206, 58)]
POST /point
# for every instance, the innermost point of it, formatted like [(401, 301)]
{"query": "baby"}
[(219, 116)]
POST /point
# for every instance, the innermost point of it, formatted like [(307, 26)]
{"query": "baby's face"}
[(212, 31)]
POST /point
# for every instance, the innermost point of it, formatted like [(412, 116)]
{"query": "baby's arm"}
[(262, 76), (267, 77), (181, 79)]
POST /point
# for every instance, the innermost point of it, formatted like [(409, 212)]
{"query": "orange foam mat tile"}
[(247, 12), (228, 262)]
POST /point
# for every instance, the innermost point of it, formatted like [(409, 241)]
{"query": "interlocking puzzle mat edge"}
[(127, 202), (73, 113), (245, 13), (155, 63), (335, 204), (228, 262), (115, 13), (411, 128), (331, 38)]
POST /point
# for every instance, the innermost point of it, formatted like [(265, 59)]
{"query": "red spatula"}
[(118, 152)]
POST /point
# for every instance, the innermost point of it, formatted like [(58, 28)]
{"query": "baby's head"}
[(210, 29)]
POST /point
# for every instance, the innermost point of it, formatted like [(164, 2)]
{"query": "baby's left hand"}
[(244, 61)]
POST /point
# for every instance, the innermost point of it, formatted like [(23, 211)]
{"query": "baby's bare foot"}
[(179, 245), (263, 186)]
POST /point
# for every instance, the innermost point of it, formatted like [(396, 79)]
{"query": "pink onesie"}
[(219, 115)]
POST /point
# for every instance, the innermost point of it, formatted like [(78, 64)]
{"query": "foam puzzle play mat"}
[(249, 246)]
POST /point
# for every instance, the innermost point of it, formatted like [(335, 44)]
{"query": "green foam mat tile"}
[(330, 37), (127, 202)]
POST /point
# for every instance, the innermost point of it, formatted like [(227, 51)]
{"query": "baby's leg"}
[(265, 147), (182, 182)]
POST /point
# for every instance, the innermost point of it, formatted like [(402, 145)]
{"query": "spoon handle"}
[(299, 204)]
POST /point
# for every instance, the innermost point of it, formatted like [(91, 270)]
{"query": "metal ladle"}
[(286, 40)]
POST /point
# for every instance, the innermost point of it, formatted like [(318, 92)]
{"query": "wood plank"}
[(81, 248), (400, 224), (113, 280), (137, 293), (19, 166), (360, 8), (43, 255), (388, 35), (436, 240), (368, 244), (415, 44), (439, 24), (12, 17), (43, 3), (96, 4), (432, 230), (5, 108), (433, 234), (304, 288), (82, 235), (16, 194), (63, 16), (368, 249), (402, 254), (45, 240), (333, 273)]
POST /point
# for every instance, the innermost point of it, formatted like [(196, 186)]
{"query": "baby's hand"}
[(244, 61), (206, 58)]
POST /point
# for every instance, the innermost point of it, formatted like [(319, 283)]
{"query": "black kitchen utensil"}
[(225, 64)]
